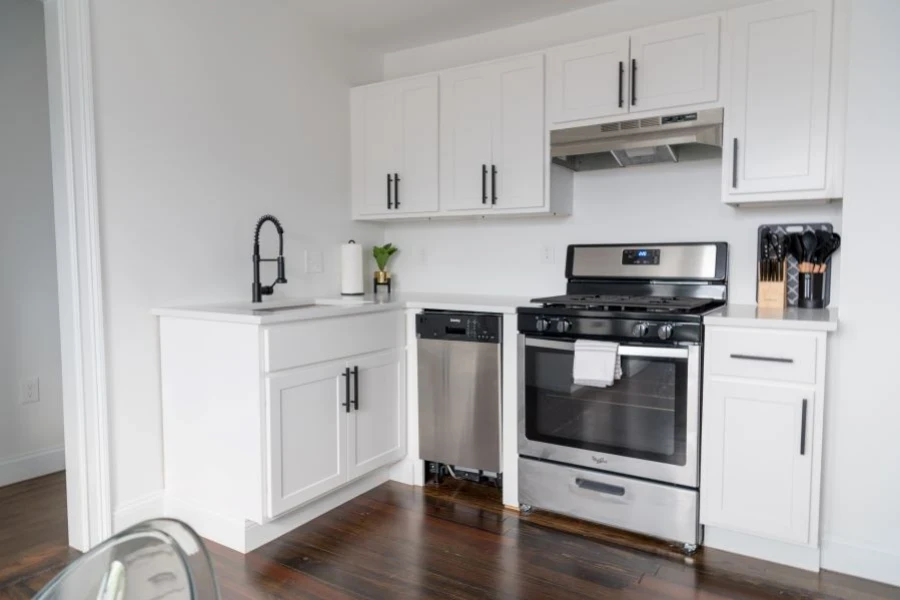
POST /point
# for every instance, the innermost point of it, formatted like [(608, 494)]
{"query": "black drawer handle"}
[(484, 184), (603, 488), (621, 81), (396, 190), (389, 191), (633, 81), (356, 388), (774, 359), (346, 376), (734, 163), (493, 184)]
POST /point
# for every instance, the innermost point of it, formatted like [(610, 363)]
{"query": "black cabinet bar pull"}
[(389, 191), (356, 388), (621, 83), (396, 191), (774, 359), (734, 161), (484, 184), (633, 81), (803, 429), (346, 376), (596, 486), (493, 184)]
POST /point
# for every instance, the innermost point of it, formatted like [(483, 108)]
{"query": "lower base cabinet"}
[(757, 447), (329, 424)]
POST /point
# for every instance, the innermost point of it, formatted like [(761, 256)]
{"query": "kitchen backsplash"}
[(659, 203)]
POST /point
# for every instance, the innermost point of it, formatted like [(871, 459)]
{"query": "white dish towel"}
[(596, 364)]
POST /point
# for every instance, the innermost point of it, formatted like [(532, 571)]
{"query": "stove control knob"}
[(542, 324), (664, 331), (563, 326), (640, 329)]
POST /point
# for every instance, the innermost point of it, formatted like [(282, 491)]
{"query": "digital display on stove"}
[(640, 256)]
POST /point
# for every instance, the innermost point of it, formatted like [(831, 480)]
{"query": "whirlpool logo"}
[(600, 460)]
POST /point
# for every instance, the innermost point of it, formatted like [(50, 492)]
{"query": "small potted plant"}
[(382, 255)]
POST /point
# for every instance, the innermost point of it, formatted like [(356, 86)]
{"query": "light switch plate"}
[(31, 391), (314, 261)]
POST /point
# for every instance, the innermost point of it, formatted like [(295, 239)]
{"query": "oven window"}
[(642, 415)]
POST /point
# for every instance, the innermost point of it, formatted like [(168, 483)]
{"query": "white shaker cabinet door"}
[(467, 113), (376, 132), (588, 80), (416, 191), (307, 435), (757, 459), (377, 421), (520, 156), (675, 65), (777, 115)]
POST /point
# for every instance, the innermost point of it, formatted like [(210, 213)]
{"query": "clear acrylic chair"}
[(162, 558)]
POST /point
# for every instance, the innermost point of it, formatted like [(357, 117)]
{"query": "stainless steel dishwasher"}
[(459, 389)]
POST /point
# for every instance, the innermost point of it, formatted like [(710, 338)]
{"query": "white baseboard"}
[(863, 561), (134, 512), (31, 465), (246, 536), (409, 471), (792, 555)]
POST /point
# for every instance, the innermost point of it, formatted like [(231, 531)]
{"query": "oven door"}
[(646, 424)]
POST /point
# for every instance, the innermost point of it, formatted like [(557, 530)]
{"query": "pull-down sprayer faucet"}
[(260, 290)]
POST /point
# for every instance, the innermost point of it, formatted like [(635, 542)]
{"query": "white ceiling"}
[(389, 25)]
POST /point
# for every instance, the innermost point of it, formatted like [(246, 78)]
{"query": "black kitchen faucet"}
[(260, 290)]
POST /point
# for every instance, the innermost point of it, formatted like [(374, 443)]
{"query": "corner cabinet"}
[(668, 66), (784, 119), (762, 428), (394, 130)]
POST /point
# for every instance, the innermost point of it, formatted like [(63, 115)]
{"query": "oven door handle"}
[(637, 351)]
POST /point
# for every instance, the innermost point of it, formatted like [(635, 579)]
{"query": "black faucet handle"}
[(267, 290), (281, 278)]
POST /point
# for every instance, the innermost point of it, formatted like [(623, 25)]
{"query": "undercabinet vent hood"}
[(639, 141)]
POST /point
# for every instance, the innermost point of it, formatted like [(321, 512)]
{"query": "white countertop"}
[(750, 315), (321, 308)]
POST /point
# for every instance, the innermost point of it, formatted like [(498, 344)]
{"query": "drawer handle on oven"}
[(596, 486), (774, 359)]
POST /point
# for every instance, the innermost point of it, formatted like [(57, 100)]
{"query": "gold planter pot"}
[(382, 277)]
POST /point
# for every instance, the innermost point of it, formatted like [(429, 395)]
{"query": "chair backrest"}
[(154, 559)]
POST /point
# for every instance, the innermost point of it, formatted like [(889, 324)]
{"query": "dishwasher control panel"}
[(465, 327)]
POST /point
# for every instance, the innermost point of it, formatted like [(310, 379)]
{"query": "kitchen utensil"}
[(812, 290), (792, 234), (833, 245), (809, 249)]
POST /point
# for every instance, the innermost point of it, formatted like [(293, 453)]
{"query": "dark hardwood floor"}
[(455, 541)]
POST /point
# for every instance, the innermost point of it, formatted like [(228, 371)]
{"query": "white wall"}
[(862, 462), (659, 203), (29, 315), (210, 113)]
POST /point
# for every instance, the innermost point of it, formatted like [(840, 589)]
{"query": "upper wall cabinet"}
[(663, 67), (395, 148), (493, 138), (783, 119)]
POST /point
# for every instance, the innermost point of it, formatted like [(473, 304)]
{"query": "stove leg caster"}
[(689, 549), (525, 508)]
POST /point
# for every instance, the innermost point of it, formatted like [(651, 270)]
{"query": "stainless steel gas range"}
[(625, 455)]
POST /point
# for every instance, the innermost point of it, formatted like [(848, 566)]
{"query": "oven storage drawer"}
[(760, 354), (654, 509)]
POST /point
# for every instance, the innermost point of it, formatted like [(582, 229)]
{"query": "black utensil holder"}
[(812, 290)]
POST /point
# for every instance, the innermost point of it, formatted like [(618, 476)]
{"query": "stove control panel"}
[(646, 330)]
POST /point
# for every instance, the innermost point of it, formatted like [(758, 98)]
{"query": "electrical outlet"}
[(314, 261), (548, 256), (31, 391), (423, 256)]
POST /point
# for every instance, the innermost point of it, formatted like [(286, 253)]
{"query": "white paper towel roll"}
[(351, 268)]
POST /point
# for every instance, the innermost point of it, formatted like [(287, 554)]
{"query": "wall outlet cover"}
[(31, 391), (548, 256)]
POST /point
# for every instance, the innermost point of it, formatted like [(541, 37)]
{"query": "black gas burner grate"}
[(619, 303)]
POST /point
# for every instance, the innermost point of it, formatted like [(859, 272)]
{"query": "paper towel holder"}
[(361, 292)]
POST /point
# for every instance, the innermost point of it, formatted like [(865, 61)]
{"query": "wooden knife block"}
[(773, 294)]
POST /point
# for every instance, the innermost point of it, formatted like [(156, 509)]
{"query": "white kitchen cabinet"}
[(778, 119), (307, 435), (377, 421), (588, 80), (675, 65), (757, 459), (395, 147), (493, 141), (667, 66)]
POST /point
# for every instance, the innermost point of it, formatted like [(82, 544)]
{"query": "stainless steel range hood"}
[(639, 141)]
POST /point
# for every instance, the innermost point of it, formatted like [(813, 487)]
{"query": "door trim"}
[(76, 216)]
